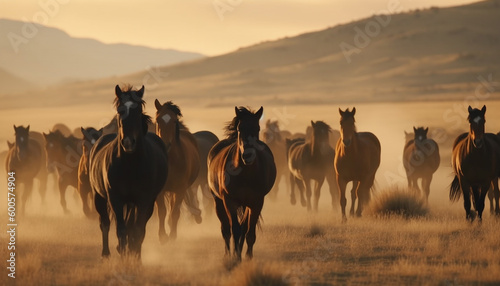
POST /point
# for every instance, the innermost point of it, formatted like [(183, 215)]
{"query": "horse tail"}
[(455, 191)]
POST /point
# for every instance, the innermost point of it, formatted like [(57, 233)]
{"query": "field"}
[(294, 247)]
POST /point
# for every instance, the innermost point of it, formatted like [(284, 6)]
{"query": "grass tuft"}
[(396, 201)]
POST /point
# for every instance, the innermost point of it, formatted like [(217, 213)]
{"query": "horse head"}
[(420, 133), (248, 133), (22, 140), (347, 126), (132, 123), (477, 120), (167, 121)]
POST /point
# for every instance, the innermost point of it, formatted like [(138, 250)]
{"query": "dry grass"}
[(396, 201)]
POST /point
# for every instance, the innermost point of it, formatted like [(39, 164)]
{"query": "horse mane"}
[(231, 129), (173, 107), (323, 125)]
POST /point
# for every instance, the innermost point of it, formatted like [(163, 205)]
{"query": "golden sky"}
[(207, 26)]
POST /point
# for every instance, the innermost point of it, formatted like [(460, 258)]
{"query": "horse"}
[(206, 140), (25, 157), (127, 172), (241, 172), (421, 159), (357, 158), (112, 126), (183, 166), (289, 143), (310, 160), (90, 137), (63, 156), (275, 139), (476, 163)]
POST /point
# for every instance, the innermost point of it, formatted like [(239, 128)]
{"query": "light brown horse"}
[(476, 163), (241, 172), (357, 158), (421, 159), (26, 159), (183, 166), (90, 137), (309, 162)]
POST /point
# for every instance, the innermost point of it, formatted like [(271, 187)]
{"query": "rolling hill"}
[(47, 56), (433, 54)]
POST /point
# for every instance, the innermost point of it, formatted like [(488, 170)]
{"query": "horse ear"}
[(10, 144), (353, 111), (406, 133), (483, 110), (260, 112), (157, 105), (426, 130), (236, 111), (312, 123), (140, 92), (44, 135), (414, 129), (100, 131), (341, 112), (28, 128), (118, 91), (15, 128), (82, 129), (469, 109)]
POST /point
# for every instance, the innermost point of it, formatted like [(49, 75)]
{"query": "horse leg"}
[(354, 195), (220, 210), (121, 228), (300, 185), (491, 198), (175, 213), (363, 195), (496, 195), (307, 183), (333, 187), (42, 178), (84, 191), (28, 189), (293, 200), (426, 187), (480, 198), (232, 211), (317, 193), (143, 215), (467, 203), (208, 201), (254, 219), (342, 184), (101, 205), (162, 214), (245, 227), (62, 194), (193, 204)]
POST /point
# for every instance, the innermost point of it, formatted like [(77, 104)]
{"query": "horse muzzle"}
[(347, 142), (128, 145), (478, 143), (248, 156)]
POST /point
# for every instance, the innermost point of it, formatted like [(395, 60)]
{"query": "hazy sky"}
[(206, 26)]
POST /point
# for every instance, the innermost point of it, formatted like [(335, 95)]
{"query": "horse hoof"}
[(164, 239), (293, 201), (344, 219)]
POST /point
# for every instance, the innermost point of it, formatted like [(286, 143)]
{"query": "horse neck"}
[(172, 139), (316, 146)]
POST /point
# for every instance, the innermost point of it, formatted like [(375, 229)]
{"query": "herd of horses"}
[(124, 169)]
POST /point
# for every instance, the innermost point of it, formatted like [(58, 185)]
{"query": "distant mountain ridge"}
[(45, 55), (422, 55)]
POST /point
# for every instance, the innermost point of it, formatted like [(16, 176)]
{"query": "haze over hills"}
[(432, 54), (45, 55)]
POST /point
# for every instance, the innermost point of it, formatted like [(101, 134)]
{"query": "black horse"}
[(476, 162), (127, 172), (241, 172)]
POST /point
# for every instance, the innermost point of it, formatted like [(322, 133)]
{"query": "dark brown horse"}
[(476, 163), (309, 161), (183, 166), (276, 140), (206, 140), (357, 158), (421, 159), (127, 172), (26, 159), (292, 144), (63, 156), (241, 172), (90, 137)]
